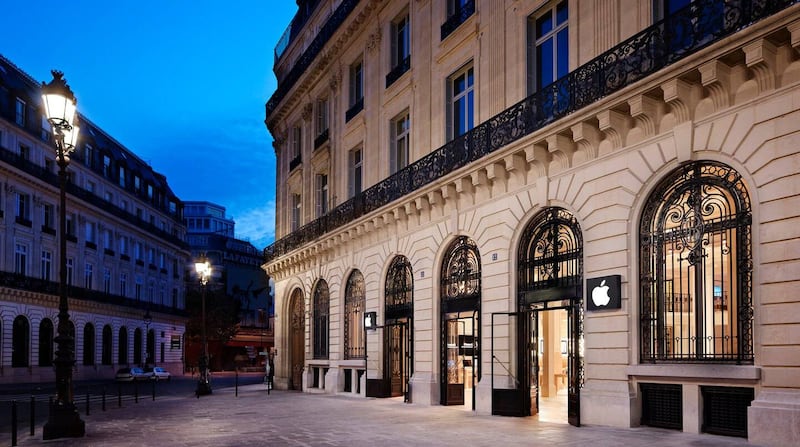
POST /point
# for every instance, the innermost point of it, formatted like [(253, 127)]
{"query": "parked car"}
[(131, 374), (124, 375), (159, 373)]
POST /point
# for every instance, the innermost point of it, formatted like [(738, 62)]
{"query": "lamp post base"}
[(64, 422), (203, 388)]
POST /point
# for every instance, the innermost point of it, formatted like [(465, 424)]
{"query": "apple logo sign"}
[(600, 294), (605, 293)]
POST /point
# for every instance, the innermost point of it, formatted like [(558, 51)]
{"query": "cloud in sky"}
[(256, 224)]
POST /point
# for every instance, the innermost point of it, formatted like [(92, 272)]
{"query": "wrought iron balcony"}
[(398, 71), (458, 17), (353, 110), (295, 162), (698, 25), (321, 139), (325, 33), (27, 283), (40, 172)]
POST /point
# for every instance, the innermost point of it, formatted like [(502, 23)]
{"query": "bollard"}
[(13, 422), (154, 389), (33, 413), (104, 398), (237, 382), (87, 401), (119, 395), (135, 391)]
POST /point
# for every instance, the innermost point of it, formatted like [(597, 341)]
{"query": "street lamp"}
[(147, 320), (60, 111), (203, 269)]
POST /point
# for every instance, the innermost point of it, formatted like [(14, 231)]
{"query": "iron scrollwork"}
[(666, 42)]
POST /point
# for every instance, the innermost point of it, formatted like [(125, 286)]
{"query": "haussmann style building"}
[(126, 248), (578, 211)]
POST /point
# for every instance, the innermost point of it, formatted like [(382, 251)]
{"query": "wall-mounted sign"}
[(604, 293), (370, 320)]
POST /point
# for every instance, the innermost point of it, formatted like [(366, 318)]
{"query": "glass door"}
[(456, 367)]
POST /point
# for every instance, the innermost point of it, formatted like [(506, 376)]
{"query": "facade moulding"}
[(568, 143)]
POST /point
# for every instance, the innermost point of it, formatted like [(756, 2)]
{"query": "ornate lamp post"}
[(147, 320), (59, 107), (203, 269)]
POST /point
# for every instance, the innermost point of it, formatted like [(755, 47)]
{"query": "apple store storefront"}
[(559, 345), (694, 301)]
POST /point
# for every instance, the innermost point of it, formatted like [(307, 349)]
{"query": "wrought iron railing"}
[(27, 283), (357, 107), (698, 25), (295, 162), (337, 18), (40, 172), (402, 67), (458, 17), (321, 138)]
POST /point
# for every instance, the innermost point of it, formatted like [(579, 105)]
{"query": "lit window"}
[(47, 265), (322, 194), (461, 110), (696, 278), (354, 179), (401, 141), (548, 58), (20, 259), (296, 204), (19, 112)]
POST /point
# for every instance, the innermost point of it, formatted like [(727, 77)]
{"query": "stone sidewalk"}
[(297, 419)]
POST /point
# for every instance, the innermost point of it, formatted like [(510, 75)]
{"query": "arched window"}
[(399, 288), (107, 345), (321, 315), (696, 267), (88, 344), (46, 342), (461, 272), (460, 321), (354, 302), (550, 257), (122, 353), (21, 335), (137, 346)]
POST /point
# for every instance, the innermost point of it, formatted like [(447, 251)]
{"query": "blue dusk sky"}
[(180, 83)]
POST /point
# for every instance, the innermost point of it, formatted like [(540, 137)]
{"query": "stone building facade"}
[(580, 211), (126, 249)]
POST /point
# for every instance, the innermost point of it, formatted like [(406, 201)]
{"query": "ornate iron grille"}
[(725, 410), (122, 351), (461, 272), (662, 405), (298, 333), (137, 346), (20, 343), (354, 302), (696, 267), (550, 255), (644, 53), (321, 318), (459, 16), (399, 289), (107, 345), (402, 67)]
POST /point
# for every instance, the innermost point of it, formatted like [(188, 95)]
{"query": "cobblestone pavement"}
[(296, 419)]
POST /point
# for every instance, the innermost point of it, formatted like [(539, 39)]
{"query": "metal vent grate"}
[(662, 405), (725, 410)]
